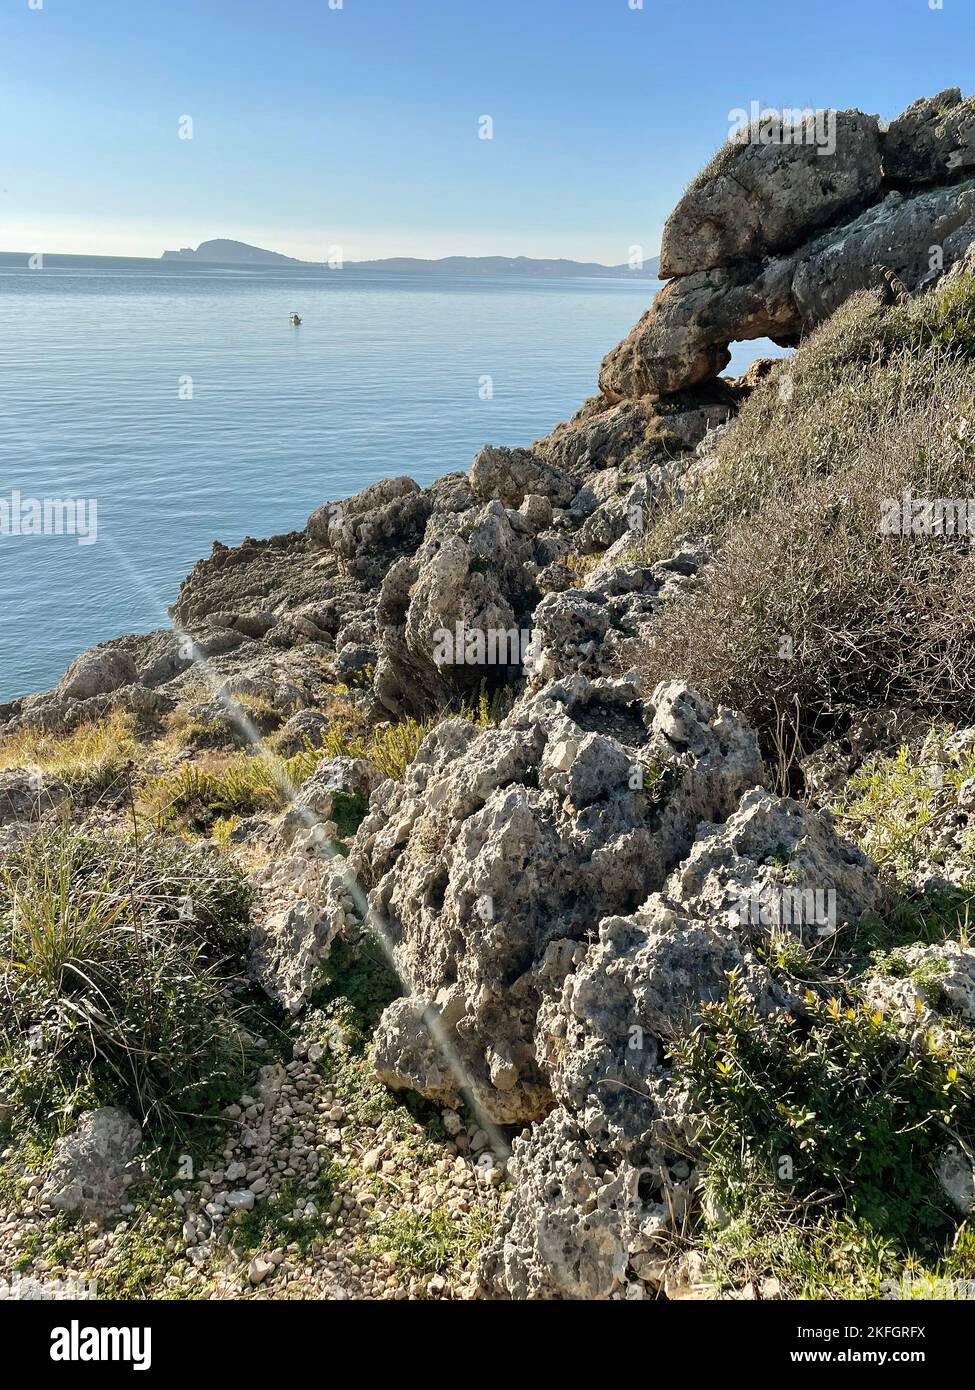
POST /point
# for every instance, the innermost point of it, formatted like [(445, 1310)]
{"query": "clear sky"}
[(357, 126)]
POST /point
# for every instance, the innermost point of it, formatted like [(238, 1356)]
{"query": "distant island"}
[(228, 252), (223, 251)]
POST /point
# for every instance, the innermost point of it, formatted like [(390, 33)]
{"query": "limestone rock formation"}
[(93, 1166), (787, 224), (600, 1185), (682, 340), (774, 187), (561, 892), (304, 903), (933, 141), (502, 850)]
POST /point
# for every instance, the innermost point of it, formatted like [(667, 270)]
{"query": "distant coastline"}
[(238, 255)]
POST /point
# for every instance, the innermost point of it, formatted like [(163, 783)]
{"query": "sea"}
[(173, 404)]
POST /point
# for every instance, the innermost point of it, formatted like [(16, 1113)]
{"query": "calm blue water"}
[(383, 377)]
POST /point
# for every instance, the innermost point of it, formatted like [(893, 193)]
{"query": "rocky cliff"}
[(559, 883)]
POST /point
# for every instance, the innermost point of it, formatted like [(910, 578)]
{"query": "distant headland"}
[(223, 251)]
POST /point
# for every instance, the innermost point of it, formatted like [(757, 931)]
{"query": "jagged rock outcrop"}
[(902, 234), (510, 475), (603, 1181), (473, 574), (386, 516), (306, 894), (787, 224), (775, 186), (683, 338), (314, 803), (930, 980), (501, 851), (561, 893), (305, 901), (933, 141), (592, 627)]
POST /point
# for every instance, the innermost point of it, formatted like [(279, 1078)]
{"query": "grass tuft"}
[(117, 966), (90, 760)]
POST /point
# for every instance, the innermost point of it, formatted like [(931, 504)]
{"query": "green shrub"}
[(897, 811), (117, 961), (837, 1105)]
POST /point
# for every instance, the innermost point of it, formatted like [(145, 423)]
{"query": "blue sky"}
[(357, 126)]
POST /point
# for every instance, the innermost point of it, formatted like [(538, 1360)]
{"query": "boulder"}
[(930, 981), (773, 188), (99, 671), (933, 141), (956, 1174), (307, 726), (367, 531), (811, 885), (305, 901), (92, 1168), (331, 524), (511, 474), (452, 614)]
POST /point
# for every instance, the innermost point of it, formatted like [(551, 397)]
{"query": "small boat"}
[(295, 320)]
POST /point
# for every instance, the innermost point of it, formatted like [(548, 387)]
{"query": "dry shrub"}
[(877, 401)]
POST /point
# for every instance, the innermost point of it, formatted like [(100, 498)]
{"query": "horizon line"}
[(296, 260)]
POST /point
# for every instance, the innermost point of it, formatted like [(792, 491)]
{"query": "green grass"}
[(769, 1234), (192, 731), (118, 966), (258, 780), (248, 782), (432, 1242)]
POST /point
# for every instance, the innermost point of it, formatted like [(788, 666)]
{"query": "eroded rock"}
[(503, 848), (766, 198), (93, 1167)]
